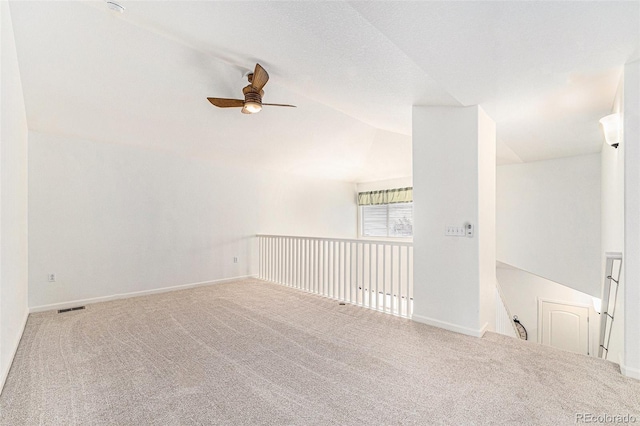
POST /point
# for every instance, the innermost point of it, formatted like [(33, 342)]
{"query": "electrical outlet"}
[(51, 278), (235, 260)]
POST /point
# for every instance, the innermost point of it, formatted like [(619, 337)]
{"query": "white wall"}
[(631, 140), (612, 225), (291, 205), (110, 219), (521, 291), (447, 178), (381, 185), (13, 200), (548, 220)]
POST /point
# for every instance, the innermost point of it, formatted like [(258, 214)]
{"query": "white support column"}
[(454, 184), (631, 141)]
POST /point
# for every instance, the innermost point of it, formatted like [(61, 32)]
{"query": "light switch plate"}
[(455, 231)]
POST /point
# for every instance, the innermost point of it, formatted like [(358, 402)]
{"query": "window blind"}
[(387, 220)]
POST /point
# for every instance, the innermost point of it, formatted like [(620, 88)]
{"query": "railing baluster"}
[(399, 280), (279, 242), (318, 257), (350, 272), (362, 279), (333, 269), (310, 260), (384, 278), (345, 283), (357, 275), (315, 266), (325, 268), (377, 276), (409, 283), (300, 263), (370, 276), (303, 265), (391, 291), (319, 267), (260, 251), (307, 264), (260, 263), (312, 283), (361, 283), (269, 258), (340, 295)]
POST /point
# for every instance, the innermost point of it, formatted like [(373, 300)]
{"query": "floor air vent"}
[(77, 308)]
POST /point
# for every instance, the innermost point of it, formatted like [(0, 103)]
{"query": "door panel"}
[(564, 326)]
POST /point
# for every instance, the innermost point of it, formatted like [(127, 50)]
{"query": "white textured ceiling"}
[(546, 72)]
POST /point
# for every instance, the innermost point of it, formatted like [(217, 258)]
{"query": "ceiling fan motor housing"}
[(250, 96)]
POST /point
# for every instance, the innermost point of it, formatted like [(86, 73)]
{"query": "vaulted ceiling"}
[(544, 71)]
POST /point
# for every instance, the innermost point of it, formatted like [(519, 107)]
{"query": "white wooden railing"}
[(504, 320), (373, 274), (610, 286)]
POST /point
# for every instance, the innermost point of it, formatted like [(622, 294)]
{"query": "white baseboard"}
[(634, 373), (451, 327), (4, 374), (81, 302), (483, 330)]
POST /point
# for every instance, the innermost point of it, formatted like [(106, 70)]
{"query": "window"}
[(387, 213), (387, 220)]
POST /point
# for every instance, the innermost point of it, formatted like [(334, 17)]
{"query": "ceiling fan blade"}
[(226, 103), (284, 105), (260, 78)]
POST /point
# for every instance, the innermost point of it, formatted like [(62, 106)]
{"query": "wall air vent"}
[(77, 308)]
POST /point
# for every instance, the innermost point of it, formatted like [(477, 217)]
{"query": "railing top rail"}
[(348, 240)]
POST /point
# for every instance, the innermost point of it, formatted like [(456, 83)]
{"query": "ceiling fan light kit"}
[(253, 94), (252, 102)]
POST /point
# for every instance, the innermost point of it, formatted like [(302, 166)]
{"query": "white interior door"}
[(564, 326)]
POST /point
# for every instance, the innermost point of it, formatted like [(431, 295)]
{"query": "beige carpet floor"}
[(254, 353)]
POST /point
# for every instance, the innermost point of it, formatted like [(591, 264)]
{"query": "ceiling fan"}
[(253, 94)]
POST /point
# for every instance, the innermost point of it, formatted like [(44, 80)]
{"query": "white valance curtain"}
[(387, 196)]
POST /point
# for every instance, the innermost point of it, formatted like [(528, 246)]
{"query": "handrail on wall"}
[(609, 296), (506, 309)]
